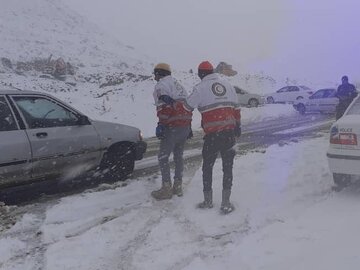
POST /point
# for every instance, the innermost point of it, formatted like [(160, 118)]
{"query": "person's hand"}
[(190, 134), (167, 99), (237, 130), (160, 131)]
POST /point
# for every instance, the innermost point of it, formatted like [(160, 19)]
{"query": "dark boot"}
[(177, 188), (164, 193), (226, 206), (208, 202)]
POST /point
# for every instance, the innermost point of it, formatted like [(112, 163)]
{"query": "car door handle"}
[(41, 135)]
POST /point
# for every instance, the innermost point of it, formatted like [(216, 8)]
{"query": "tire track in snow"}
[(31, 236)]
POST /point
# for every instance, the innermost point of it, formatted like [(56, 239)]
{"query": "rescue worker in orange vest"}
[(216, 100), (173, 129)]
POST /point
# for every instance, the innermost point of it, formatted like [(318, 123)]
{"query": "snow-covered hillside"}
[(39, 28), (111, 81)]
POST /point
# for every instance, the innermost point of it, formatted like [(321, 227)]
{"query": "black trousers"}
[(214, 143), (341, 107)]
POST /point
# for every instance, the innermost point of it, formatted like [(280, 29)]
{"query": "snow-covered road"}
[(286, 217)]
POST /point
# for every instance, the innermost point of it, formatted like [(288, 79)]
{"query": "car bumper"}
[(345, 164), (140, 149)]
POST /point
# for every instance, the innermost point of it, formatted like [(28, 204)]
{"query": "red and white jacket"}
[(175, 115), (217, 102)]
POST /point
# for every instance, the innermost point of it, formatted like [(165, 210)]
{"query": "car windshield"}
[(318, 94), (329, 93), (323, 93), (239, 90), (305, 88), (7, 122), (284, 89)]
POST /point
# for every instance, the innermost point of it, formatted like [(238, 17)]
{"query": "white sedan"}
[(248, 99), (289, 94), (344, 149), (323, 101)]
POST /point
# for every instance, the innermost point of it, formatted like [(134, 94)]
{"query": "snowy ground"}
[(286, 217)]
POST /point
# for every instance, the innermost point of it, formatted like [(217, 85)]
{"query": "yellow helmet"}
[(163, 66)]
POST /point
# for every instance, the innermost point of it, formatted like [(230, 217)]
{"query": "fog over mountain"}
[(315, 40)]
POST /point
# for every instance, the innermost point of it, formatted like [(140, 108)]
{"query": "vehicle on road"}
[(323, 101), (344, 149), (289, 94), (41, 137), (248, 99)]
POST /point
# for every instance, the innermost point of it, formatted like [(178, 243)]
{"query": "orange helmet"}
[(206, 65)]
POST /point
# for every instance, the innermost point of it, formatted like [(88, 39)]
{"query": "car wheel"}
[(301, 108), (118, 162), (253, 102), (341, 180), (270, 100), (298, 98)]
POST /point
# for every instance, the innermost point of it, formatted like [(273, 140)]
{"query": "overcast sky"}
[(314, 39)]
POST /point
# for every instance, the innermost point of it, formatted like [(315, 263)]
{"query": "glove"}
[(237, 130), (167, 99), (190, 134), (160, 131)]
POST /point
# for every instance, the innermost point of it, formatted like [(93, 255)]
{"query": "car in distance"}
[(323, 101), (289, 94), (41, 137), (344, 148), (247, 99)]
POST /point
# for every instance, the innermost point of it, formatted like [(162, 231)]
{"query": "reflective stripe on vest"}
[(219, 123), (174, 115), (218, 106)]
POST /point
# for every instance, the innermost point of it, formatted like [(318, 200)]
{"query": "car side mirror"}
[(83, 120)]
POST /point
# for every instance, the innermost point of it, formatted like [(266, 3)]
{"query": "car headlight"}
[(141, 137)]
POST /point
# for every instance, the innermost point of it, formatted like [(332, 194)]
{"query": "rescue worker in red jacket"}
[(173, 129), (216, 100)]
